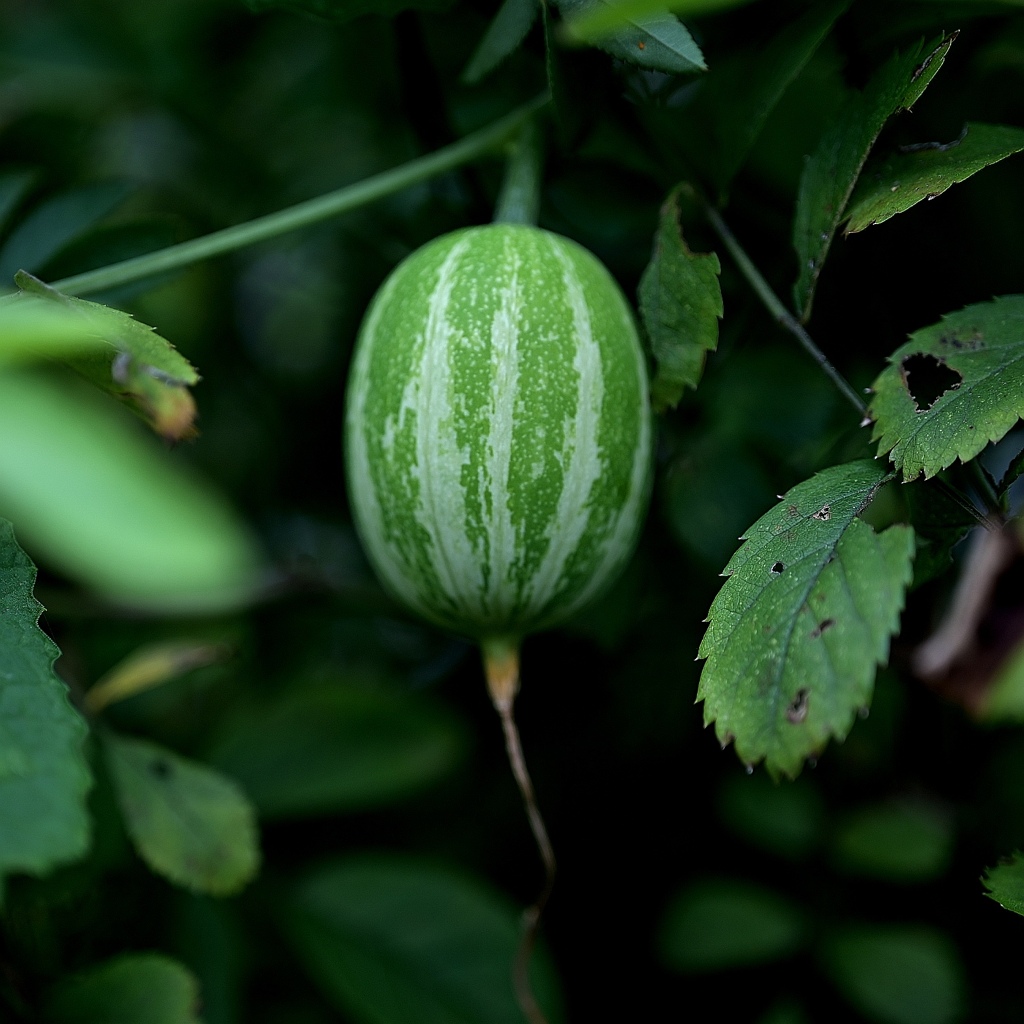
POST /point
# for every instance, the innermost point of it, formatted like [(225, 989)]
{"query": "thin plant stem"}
[(501, 664), (519, 199), (780, 312), (312, 211)]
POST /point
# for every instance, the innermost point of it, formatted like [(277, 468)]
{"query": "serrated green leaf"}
[(718, 925), (130, 360), (733, 104), (43, 774), (393, 940), (341, 11), (952, 388), (504, 35), (898, 974), (681, 304), (831, 173), (906, 841), (96, 498), (188, 822), (138, 988), (1005, 883), (904, 179), (805, 616), (326, 749), (659, 42), (55, 223)]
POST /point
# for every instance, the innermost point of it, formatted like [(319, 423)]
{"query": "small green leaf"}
[(659, 42), (55, 223), (188, 822), (138, 988), (901, 842), (341, 11), (718, 925), (1005, 883), (797, 630), (681, 304), (904, 179), (43, 775), (129, 359), (785, 820), (91, 494), (832, 171), (340, 747), (504, 35), (952, 388), (898, 974), (393, 940)]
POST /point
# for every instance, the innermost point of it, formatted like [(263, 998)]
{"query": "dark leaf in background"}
[(952, 388), (504, 36), (138, 988), (831, 173), (394, 939), (337, 747), (786, 820), (43, 775), (681, 304), (343, 11), (803, 619), (188, 822)]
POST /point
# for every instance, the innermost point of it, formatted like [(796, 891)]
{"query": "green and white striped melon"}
[(498, 430)]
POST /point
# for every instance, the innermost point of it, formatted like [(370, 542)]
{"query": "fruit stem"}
[(519, 199), (312, 211), (501, 666)]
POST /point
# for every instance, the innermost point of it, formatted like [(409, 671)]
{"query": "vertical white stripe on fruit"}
[(502, 542), (580, 457), (363, 491), (439, 459)]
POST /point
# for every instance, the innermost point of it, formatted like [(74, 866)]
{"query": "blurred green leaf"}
[(898, 974), (342, 747), (1005, 883), (32, 329), (786, 1012), (93, 497), (681, 304), (715, 925), (952, 388), (783, 819), (131, 360), (14, 186), (906, 841), (614, 15), (905, 178), (1004, 701), (504, 35), (393, 940), (341, 11), (188, 822), (798, 628), (659, 42), (734, 103), (56, 223), (831, 173), (43, 775), (138, 988)]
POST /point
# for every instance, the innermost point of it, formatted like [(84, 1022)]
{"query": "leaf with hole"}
[(43, 774), (393, 940), (188, 822), (658, 42), (503, 37), (803, 619), (952, 388), (1005, 883), (127, 358), (137, 988), (831, 173), (680, 304), (903, 179)]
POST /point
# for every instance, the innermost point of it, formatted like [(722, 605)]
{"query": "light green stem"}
[(303, 214), (519, 200)]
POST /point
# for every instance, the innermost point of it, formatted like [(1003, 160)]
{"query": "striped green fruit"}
[(498, 430)]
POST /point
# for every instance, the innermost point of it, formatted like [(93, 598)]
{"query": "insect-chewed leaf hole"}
[(777, 569), (797, 710), (927, 379)]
